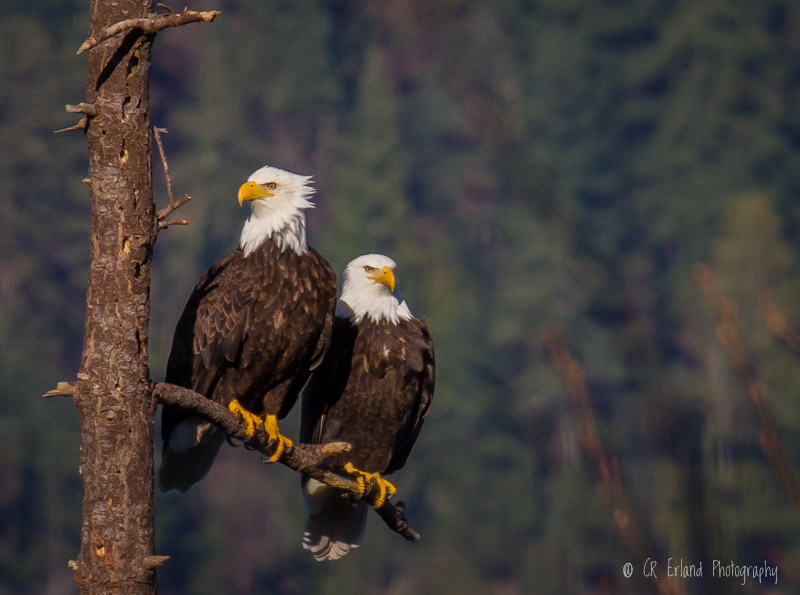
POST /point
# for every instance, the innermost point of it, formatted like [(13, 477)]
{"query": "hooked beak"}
[(385, 277), (252, 191)]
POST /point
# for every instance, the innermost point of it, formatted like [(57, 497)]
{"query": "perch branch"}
[(152, 23), (605, 468), (308, 459), (173, 204), (728, 334)]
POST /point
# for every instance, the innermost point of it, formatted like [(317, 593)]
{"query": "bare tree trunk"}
[(114, 392)]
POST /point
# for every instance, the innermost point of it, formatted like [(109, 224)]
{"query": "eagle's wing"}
[(207, 340), (328, 381), (212, 328), (416, 376)]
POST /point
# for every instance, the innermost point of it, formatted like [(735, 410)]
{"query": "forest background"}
[(530, 165)]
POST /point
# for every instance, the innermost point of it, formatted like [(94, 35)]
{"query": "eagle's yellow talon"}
[(385, 487), (357, 475), (270, 425), (283, 444), (390, 489), (251, 420), (273, 431)]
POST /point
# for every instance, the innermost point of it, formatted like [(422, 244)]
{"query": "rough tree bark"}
[(114, 391)]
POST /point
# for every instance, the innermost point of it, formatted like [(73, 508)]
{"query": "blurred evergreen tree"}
[(43, 238), (371, 212), (750, 256), (527, 163)]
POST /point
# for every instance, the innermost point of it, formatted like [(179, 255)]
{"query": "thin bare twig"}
[(81, 125), (150, 24), (167, 222), (606, 471), (88, 109), (728, 334), (173, 204), (308, 459), (157, 133), (62, 389)]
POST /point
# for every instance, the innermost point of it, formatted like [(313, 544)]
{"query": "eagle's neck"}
[(374, 303), (284, 223)]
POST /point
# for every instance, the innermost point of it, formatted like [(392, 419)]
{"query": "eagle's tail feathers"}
[(336, 524), (187, 458)]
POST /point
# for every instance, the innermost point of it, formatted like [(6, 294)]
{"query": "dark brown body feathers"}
[(252, 330), (373, 389)]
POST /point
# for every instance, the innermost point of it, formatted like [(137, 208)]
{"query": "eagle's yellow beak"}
[(385, 276), (251, 191)]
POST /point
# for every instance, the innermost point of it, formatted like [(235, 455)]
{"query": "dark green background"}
[(528, 164)]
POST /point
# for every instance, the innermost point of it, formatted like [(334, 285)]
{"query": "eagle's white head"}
[(278, 199), (369, 291)]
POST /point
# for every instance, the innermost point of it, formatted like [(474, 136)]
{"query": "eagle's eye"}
[(370, 269), (272, 185)]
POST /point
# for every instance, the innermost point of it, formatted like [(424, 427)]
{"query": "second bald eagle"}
[(373, 389)]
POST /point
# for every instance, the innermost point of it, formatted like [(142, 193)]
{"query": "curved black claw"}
[(369, 481)]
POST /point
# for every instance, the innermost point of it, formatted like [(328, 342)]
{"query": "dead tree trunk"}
[(114, 392)]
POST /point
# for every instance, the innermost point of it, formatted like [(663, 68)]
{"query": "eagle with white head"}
[(253, 329), (373, 390)]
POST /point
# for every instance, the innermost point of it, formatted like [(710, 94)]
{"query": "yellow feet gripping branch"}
[(270, 425), (251, 420), (282, 443), (365, 480)]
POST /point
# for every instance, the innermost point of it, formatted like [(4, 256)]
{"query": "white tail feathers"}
[(336, 523)]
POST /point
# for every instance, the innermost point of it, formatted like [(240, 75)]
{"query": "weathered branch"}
[(62, 389), (88, 109), (728, 334), (393, 515), (606, 471), (151, 562), (173, 204), (152, 23), (81, 125), (167, 222), (308, 459)]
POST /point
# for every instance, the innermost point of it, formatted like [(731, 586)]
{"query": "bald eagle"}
[(252, 330), (373, 389)]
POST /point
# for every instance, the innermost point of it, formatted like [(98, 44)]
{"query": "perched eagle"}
[(373, 389), (253, 329)]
